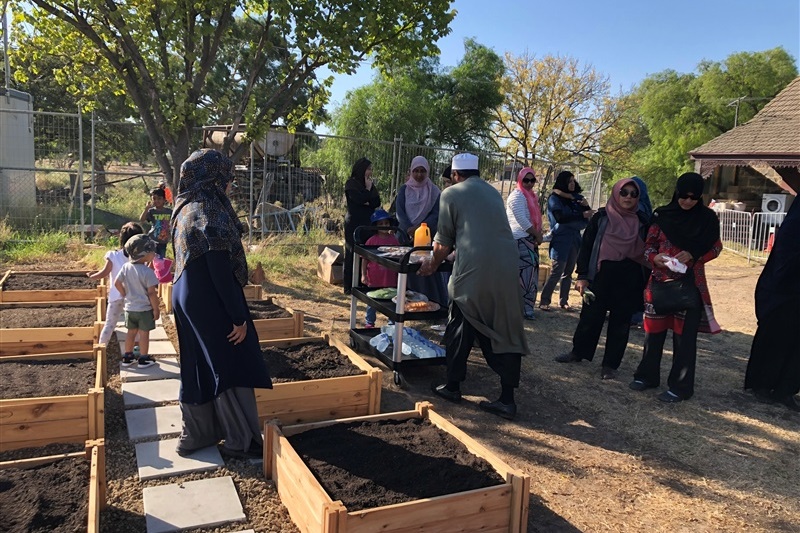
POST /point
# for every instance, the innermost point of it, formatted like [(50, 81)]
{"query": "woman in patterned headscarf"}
[(221, 362)]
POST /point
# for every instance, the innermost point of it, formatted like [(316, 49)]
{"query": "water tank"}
[(17, 177)]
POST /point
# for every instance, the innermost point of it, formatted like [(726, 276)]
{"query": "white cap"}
[(465, 162)]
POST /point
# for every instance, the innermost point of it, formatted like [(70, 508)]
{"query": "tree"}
[(554, 108), (426, 104), (672, 113), (163, 54)]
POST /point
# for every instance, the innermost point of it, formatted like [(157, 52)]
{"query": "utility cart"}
[(403, 265)]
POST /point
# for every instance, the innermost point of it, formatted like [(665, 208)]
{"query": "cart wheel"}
[(399, 380)]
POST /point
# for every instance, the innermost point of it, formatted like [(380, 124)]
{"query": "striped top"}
[(519, 217)]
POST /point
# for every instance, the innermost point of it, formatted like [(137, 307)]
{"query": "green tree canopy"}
[(163, 56), (673, 113), (426, 104)]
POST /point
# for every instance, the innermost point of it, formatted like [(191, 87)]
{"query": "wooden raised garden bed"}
[(322, 399), (50, 295), (94, 453), (58, 342), (497, 508), (251, 292), (32, 422), (289, 327)]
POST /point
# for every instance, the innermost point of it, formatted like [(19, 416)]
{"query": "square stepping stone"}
[(159, 459), (194, 504), (158, 334), (150, 392), (153, 422), (165, 368)]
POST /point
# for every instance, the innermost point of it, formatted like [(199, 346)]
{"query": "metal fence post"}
[(93, 193), (80, 169)]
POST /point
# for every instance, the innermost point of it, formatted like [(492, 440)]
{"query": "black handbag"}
[(674, 295)]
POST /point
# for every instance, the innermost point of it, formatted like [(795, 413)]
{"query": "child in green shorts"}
[(137, 284)]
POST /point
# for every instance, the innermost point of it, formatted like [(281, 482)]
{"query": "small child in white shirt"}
[(137, 284), (115, 259)]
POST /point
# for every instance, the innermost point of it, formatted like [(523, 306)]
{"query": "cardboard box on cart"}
[(330, 263)]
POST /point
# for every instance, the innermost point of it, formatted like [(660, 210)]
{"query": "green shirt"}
[(485, 279)]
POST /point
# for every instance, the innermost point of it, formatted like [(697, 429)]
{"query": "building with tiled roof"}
[(761, 156)]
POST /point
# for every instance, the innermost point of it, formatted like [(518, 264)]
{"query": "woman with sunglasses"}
[(688, 231), (525, 219), (611, 276)]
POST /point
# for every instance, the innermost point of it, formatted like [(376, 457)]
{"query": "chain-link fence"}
[(79, 173)]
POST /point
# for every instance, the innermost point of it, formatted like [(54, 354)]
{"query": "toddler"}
[(158, 217), (137, 283), (374, 275), (114, 261)]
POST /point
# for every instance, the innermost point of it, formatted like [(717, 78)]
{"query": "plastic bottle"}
[(422, 236), (136, 352)]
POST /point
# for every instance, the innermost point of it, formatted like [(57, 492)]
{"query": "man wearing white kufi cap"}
[(486, 298)]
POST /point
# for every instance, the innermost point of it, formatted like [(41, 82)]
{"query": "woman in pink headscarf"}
[(525, 219), (612, 272), (417, 202)]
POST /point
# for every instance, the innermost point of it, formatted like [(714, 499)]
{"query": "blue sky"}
[(624, 39)]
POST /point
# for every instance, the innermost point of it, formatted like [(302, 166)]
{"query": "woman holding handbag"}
[(683, 237)]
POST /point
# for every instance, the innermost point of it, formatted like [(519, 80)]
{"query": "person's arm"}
[(585, 251), (400, 212), (120, 286), (522, 215), (432, 219), (145, 216), (712, 254), (225, 284), (429, 266), (153, 297), (374, 198), (100, 274)]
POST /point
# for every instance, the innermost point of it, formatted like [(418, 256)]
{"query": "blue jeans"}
[(371, 315)]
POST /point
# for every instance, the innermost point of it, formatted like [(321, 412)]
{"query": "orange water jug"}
[(422, 236)]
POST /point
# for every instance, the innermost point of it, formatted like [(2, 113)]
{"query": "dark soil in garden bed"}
[(394, 462), (32, 379), (314, 360), (60, 316), (44, 282), (261, 310), (53, 497)]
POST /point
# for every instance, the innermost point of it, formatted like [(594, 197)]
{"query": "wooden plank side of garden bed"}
[(295, 482), (502, 508), (476, 510), (31, 422), (61, 295), (322, 399), (278, 328), (96, 453), (29, 341)]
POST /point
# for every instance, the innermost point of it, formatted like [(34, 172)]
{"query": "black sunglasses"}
[(625, 193), (528, 180), (686, 196)]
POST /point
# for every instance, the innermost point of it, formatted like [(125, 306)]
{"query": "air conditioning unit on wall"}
[(775, 204)]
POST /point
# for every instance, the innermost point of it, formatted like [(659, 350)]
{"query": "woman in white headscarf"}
[(417, 202)]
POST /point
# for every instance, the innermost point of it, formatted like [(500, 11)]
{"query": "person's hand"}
[(684, 257), (156, 314), (364, 280), (584, 202), (581, 285), (149, 204), (368, 183), (426, 268), (238, 333), (588, 214), (660, 261)]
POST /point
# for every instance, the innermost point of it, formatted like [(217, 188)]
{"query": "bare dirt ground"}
[(600, 457)]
